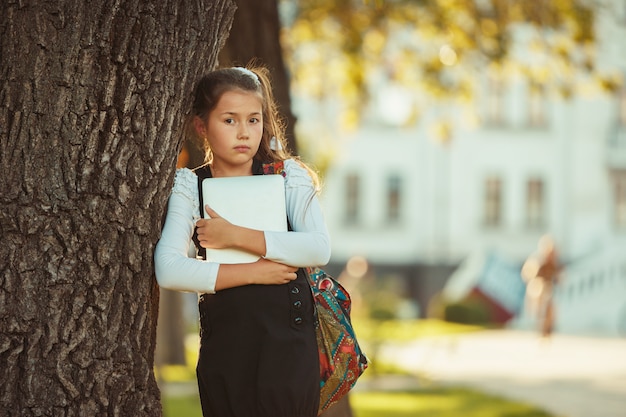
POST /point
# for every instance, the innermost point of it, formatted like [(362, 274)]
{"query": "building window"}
[(620, 201), (394, 185), (537, 105), (622, 107), (493, 202), (535, 204), (495, 101), (352, 199)]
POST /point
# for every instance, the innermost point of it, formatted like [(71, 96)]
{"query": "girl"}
[(258, 352)]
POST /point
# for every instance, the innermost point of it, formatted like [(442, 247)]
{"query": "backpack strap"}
[(274, 168), (202, 173)]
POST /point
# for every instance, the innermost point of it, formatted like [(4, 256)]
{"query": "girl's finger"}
[(211, 212)]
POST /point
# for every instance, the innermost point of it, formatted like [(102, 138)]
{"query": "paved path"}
[(567, 375)]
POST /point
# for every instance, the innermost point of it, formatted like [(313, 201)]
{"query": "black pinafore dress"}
[(258, 352)]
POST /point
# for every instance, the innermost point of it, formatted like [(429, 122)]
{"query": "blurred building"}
[(487, 179)]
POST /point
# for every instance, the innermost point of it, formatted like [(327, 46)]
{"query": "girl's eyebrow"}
[(235, 113), (256, 113)]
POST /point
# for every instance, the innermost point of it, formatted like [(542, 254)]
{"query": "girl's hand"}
[(262, 272), (272, 273), (216, 232)]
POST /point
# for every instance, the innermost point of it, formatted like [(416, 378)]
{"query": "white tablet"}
[(256, 202)]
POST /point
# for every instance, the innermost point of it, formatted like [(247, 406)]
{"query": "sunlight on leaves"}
[(335, 49)]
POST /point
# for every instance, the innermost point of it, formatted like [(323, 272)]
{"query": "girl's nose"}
[(243, 132)]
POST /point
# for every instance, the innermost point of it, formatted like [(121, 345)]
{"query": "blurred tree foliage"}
[(437, 46)]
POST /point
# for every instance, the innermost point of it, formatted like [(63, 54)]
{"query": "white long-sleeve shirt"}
[(307, 245)]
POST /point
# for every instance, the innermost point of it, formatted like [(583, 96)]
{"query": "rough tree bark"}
[(92, 95), (256, 34)]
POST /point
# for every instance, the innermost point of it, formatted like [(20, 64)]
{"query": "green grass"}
[(181, 407), (440, 402), (406, 330)]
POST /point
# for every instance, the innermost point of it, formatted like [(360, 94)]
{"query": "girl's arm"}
[(259, 272), (176, 271), (309, 243)]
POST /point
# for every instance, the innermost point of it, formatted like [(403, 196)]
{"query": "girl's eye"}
[(229, 121), (254, 120)]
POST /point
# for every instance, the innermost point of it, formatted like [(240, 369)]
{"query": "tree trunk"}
[(92, 95), (170, 336), (256, 35)]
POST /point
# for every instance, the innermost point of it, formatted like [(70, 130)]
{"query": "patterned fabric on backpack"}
[(341, 359), (274, 168)]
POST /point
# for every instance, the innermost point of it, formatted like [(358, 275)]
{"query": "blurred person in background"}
[(541, 272)]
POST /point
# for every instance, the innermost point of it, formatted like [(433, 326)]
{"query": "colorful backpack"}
[(341, 359)]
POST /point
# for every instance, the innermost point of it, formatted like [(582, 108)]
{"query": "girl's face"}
[(234, 129)]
